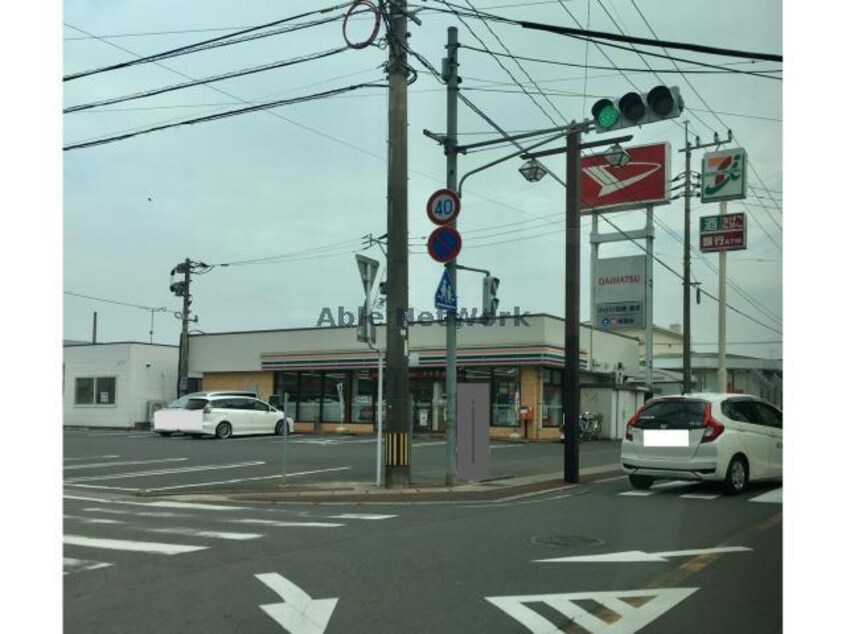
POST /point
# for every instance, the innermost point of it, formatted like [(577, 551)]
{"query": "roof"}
[(70, 343)]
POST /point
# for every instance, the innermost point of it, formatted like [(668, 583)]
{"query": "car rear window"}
[(672, 414), (196, 403)]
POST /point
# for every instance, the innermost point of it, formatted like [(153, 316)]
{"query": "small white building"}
[(116, 385)]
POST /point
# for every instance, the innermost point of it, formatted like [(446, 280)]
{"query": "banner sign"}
[(644, 180), (726, 232), (620, 292), (724, 175)]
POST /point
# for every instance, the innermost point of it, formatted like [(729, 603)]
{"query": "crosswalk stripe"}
[(191, 532), (700, 496), (91, 520), (772, 497), (69, 565), (283, 524), (135, 546), (637, 493)]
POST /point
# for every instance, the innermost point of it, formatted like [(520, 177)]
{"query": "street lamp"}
[(616, 156), (532, 171)]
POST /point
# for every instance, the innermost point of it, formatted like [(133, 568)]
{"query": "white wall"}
[(135, 383)]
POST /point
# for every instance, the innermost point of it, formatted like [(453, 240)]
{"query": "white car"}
[(223, 415), (728, 438)]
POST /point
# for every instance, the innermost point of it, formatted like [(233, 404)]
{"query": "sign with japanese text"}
[(726, 232), (620, 292)]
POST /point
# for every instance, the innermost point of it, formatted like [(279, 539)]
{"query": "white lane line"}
[(700, 496), (134, 546), (84, 499), (70, 565), (283, 524), (167, 504), (92, 458), (514, 446), (361, 516), (91, 520), (609, 479), (136, 513), (139, 474), (772, 497), (102, 486), (270, 477), (95, 465), (638, 493), (674, 484), (191, 532)]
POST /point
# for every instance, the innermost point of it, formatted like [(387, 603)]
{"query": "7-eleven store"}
[(327, 379)]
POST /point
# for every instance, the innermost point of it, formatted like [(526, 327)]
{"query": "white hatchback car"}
[(225, 415), (729, 438)]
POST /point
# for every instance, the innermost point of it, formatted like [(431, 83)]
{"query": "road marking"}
[(772, 497), (674, 484), (700, 496), (191, 532), (283, 524), (233, 481), (101, 486), (91, 520), (638, 493), (120, 464), (92, 458), (135, 546), (618, 616), (139, 474), (136, 513), (632, 556), (609, 479), (299, 613), (70, 565), (361, 516), (77, 497)]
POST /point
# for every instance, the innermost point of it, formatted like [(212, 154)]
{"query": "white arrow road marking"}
[(78, 565), (630, 617), (123, 544), (299, 614), (773, 497), (640, 556), (123, 463)]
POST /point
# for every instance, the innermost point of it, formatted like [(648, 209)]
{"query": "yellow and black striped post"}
[(396, 449)]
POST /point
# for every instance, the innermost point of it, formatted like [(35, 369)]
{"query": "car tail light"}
[(631, 423), (713, 427)]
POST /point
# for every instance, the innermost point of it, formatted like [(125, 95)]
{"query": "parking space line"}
[(95, 465), (236, 480), (138, 474), (772, 497)]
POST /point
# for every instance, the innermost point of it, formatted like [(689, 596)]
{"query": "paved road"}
[(159, 565)]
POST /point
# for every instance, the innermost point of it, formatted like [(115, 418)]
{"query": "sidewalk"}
[(500, 489)]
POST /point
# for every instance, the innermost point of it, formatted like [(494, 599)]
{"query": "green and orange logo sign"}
[(724, 175)]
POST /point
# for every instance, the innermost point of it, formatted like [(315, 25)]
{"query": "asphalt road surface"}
[(679, 558)]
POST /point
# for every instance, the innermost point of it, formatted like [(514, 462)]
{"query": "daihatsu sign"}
[(644, 180), (620, 292)]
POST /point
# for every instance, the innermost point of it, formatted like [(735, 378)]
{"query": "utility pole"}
[(183, 289), (398, 423), (94, 329), (688, 149), (450, 75)]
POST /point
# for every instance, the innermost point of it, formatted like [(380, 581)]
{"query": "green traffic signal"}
[(605, 113)]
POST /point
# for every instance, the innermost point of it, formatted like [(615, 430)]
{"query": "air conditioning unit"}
[(153, 407)]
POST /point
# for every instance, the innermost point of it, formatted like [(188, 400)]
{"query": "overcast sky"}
[(306, 182)]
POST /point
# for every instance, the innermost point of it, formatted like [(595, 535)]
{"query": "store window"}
[(505, 392), (287, 388), (335, 395), (95, 390), (363, 397), (553, 397), (308, 409)]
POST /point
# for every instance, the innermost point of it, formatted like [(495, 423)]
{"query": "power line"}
[(207, 80), (114, 301), (204, 45)]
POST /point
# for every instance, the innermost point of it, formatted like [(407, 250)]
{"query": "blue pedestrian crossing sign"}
[(445, 297)]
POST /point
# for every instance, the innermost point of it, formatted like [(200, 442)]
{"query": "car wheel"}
[(223, 431), (280, 428), (737, 475), (641, 482), (164, 433)]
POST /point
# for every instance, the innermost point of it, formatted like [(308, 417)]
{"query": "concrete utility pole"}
[(450, 75), (94, 329), (182, 389), (722, 378), (688, 149), (398, 423)]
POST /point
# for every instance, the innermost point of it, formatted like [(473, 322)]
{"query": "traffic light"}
[(633, 109), (178, 288), (490, 302)]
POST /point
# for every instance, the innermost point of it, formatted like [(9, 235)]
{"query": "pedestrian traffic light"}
[(633, 109), (490, 302)]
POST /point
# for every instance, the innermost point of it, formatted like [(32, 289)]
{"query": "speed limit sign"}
[(443, 206)]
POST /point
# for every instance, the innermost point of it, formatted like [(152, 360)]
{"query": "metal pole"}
[(686, 333), (379, 422), (648, 339), (451, 71), (398, 435), (594, 256), (722, 382), (94, 329), (571, 310), (183, 348)]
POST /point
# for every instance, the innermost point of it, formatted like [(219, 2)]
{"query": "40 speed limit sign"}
[(443, 207)]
